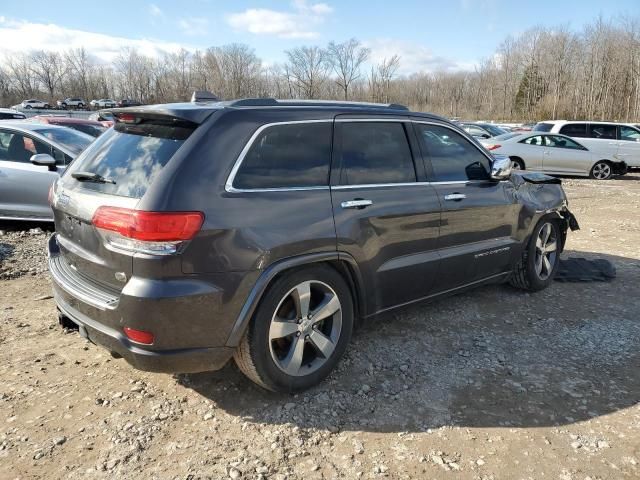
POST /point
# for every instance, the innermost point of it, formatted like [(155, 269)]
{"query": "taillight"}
[(127, 118), (138, 231), (493, 147), (139, 336)]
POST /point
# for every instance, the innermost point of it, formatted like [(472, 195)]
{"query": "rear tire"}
[(516, 163), (286, 350), (539, 263), (601, 170)]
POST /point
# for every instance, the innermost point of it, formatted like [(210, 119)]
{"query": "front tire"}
[(601, 170), (539, 263), (299, 331)]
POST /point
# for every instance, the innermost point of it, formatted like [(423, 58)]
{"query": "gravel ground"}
[(489, 384)]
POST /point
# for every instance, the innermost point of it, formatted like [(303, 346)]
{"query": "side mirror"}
[(44, 160), (485, 136), (500, 167)]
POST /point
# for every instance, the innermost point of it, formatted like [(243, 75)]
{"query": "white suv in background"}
[(618, 140)]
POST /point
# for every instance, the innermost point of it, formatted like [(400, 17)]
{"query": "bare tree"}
[(381, 76), (307, 69), (48, 69), (346, 59)]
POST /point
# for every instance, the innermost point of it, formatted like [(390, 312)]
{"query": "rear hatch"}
[(114, 171)]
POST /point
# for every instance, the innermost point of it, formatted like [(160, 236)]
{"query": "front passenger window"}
[(453, 157)]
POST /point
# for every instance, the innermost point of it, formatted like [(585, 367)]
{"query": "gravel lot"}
[(490, 384)]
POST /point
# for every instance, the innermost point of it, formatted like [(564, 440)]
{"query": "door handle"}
[(546, 152), (455, 197), (357, 203)]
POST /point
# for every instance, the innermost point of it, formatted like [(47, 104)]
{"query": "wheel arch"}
[(342, 262)]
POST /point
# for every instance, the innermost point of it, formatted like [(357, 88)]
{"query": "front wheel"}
[(539, 263), (601, 170), (299, 332)]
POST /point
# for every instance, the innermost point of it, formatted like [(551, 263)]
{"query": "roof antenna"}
[(203, 96)]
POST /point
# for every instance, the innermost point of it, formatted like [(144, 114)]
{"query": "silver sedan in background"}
[(554, 154), (32, 157)]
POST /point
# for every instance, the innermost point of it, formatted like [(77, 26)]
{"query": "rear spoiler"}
[(179, 111)]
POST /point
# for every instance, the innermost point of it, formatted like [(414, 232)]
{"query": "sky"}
[(428, 35)]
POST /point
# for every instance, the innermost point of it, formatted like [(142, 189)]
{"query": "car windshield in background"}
[(93, 130), (130, 156), (493, 130), (506, 136), (543, 127), (73, 140)]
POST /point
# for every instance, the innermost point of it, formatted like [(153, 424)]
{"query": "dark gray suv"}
[(262, 229)]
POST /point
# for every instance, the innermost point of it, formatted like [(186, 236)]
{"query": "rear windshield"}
[(493, 130), (543, 127), (73, 140), (93, 130), (506, 136), (129, 155)]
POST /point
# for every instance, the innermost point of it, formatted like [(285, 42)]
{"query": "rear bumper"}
[(191, 318), (188, 360)]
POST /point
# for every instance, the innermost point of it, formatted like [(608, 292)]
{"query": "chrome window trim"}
[(236, 166)]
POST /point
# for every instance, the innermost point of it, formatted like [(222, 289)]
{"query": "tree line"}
[(543, 73)]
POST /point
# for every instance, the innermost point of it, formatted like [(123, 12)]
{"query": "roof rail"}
[(272, 102)]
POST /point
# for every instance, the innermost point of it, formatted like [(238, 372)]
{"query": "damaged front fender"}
[(541, 195)]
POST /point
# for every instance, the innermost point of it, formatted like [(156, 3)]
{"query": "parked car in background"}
[(620, 141), (554, 154), (482, 130), (103, 103), (90, 127), (11, 114), (127, 102), (32, 156), (105, 118), (34, 103), (177, 263), (71, 103)]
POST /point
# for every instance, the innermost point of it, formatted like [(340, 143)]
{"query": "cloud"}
[(194, 26), (299, 22), (22, 36), (414, 57), (155, 10)]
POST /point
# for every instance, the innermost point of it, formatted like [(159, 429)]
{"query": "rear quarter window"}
[(293, 155)]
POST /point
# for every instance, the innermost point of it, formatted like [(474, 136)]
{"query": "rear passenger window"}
[(453, 157), (375, 153), (574, 130), (287, 156), (607, 132)]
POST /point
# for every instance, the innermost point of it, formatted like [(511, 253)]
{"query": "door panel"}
[(532, 152), (478, 218), (394, 239), (563, 156), (629, 146), (476, 232), (24, 189), (384, 217)]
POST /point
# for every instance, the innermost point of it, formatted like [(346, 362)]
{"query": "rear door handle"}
[(357, 203), (455, 197)]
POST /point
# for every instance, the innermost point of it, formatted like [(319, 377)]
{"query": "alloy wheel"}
[(305, 328), (601, 171), (546, 251)]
